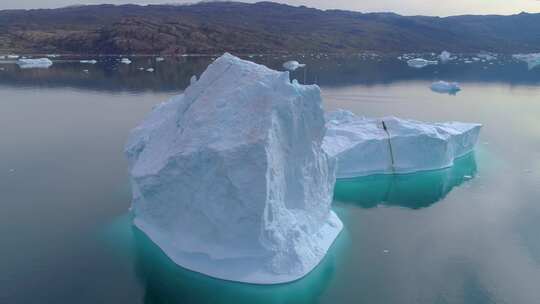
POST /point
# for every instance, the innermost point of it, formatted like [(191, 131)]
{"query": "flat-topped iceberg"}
[(230, 178), (445, 87), (40, 63), (365, 146), (420, 63)]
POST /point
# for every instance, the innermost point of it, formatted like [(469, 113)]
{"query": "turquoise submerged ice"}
[(362, 146), (230, 178)]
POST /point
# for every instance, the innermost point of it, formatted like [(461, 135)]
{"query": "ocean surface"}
[(466, 234)]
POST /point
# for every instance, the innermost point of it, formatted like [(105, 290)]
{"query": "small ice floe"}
[(40, 63), (92, 61), (2, 57), (159, 59), (52, 55), (11, 170), (467, 176), (293, 65), (386, 251), (532, 60), (419, 63), (13, 56), (125, 61), (445, 56), (151, 70), (140, 68), (85, 71), (445, 87)]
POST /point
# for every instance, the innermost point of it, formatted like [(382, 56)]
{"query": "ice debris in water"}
[(445, 56), (365, 146), (293, 65), (445, 87), (420, 63), (230, 178), (151, 70), (159, 59), (532, 60), (125, 61), (40, 63)]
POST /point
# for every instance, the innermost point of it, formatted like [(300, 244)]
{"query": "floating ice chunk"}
[(532, 60), (13, 56), (420, 63), (125, 61), (92, 61), (365, 146), (159, 59), (41, 63), (293, 65), (85, 71), (151, 70), (445, 56), (230, 178), (487, 56), (445, 87)]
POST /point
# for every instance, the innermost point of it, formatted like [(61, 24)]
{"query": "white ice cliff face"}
[(230, 178), (364, 146)]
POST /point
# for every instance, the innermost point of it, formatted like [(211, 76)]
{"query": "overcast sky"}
[(406, 7)]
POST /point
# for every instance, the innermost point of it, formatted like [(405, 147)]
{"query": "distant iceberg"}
[(445, 87), (445, 56), (125, 61), (420, 63), (13, 56), (92, 61), (159, 59), (532, 60), (41, 63), (293, 65), (365, 146), (230, 178)]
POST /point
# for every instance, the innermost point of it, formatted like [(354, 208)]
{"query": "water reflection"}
[(165, 282), (173, 74), (415, 191)]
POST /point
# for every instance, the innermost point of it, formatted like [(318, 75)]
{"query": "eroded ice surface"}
[(362, 146), (445, 87), (40, 63), (420, 63), (230, 178)]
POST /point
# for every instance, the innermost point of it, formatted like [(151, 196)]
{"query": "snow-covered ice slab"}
[(365, 146), (420, 63), (40, 63), (445, 87), (230, 178)]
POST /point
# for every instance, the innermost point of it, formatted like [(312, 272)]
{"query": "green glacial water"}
[(465, 234)]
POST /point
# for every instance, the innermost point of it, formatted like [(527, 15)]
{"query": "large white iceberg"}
[(365, 146), (40, 63), (445, 87), (532, 60), (420, 63), (230, 178)]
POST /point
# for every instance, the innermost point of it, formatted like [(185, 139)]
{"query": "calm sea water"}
[(467, 234)]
